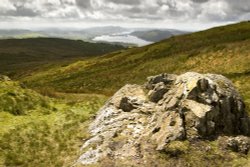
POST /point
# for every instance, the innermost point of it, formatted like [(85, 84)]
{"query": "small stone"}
[(239, 144), (157, 93), (4, 78), (126, 104)]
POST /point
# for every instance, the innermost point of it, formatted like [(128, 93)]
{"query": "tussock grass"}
[(223, 50), (44, 136)]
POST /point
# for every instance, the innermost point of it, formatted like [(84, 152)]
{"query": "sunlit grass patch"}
[(53, 138)]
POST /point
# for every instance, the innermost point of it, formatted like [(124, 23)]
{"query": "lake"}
[(123, 37)]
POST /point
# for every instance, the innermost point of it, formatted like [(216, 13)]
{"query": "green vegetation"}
[(223, 50), (18, 100), (22, 56), (42, 131), (43, 135)]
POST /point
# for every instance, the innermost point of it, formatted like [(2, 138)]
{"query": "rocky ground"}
[(166, 116)]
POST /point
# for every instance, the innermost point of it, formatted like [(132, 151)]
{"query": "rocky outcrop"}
[(167, 108)]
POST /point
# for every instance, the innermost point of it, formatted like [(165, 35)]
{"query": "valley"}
[(56, 87), (222, 50)]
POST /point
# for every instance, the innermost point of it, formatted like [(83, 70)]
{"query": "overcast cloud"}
[(181, 14)]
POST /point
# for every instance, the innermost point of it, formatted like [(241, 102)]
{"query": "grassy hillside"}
[(39, 131), (17, 100), (20, 56), (223, 50)]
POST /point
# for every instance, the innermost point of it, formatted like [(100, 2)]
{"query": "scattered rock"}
[(4, 78), (167, 108), (127, 104), (237, 144), (158, 86)]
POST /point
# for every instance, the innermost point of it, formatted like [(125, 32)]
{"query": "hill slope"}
[(40, 131), (17, 100), (54, 138), (18, 56), (223, 50)]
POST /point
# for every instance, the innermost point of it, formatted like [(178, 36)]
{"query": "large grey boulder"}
[(190, 106)]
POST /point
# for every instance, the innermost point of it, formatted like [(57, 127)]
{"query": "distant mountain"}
[(139, 36), (13, 33), (84, 33), (143, 35), (22, 55), (156, 35)]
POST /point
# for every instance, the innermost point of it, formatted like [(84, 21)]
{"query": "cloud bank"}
[(166, 13)]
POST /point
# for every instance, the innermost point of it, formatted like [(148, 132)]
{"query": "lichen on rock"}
[(166, 108)]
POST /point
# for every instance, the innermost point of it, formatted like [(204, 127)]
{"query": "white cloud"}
[(5, 5), (146, 12)]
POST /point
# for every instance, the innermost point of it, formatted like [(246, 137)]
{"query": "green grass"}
[(45, 136), (17, 100), (223, 50), (50, 132)]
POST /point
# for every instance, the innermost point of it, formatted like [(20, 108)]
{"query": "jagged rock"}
[(158, 86), (167, 108), (127, 104)]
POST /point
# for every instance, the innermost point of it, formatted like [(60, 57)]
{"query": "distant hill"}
[(223, 50), (156, 35), (89, 34), (86, 34), (12, 33), (19, 56)]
